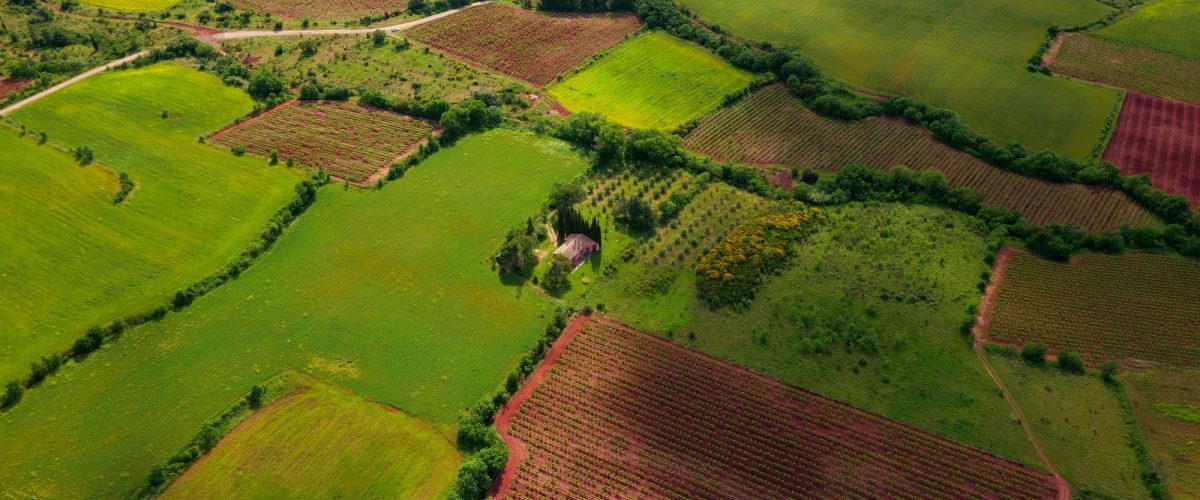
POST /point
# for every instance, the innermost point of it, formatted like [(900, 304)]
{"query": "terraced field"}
[(348, 140), (1140, 306), (528, 45), (652, 81), (1128, 66), (622, 413), (770, 127)]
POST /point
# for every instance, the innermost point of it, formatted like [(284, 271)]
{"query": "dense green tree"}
[(557, 274), (1034, 354)]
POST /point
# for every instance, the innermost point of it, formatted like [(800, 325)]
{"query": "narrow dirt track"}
[(233, 35), (981, 320), (517, 451)]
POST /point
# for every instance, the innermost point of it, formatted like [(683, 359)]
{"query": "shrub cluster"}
[(731, 272), (126, 188)]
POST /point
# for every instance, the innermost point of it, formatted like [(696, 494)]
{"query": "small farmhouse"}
[(577, 248)]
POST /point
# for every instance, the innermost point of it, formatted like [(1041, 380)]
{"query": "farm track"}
[(647, 417), (986, 305), (232, 35)]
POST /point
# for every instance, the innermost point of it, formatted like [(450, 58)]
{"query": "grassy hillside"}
[(325, 442), (652, 81), (1166, 25), (869, 314), (389, 293), (74, 260), (1078, 423), (966, 55)]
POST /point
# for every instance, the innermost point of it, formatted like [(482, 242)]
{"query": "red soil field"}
[(348, 140), (525, 44), (324, 10), (620, 413), (8, 86), (1161, 138), (1103, 307), (771, 127)]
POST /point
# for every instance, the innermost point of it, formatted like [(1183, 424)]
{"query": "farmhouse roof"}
[(575, 245)]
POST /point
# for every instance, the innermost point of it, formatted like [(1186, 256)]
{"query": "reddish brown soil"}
[(9, 86), (1162, 138), (529, 45), (619, 413), (516, 449), (1048, 57), (251, 60)]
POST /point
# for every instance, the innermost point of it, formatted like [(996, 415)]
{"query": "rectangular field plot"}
[(1140, 306), (324, 9), (348, 140), (529, 45), (965, 55), (1161, 138), (1128, 66), (324, 442), (652, 81), (770, 127), (620, 413)]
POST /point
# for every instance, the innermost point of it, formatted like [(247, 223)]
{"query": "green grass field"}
[(899, 276), (70, 257), (131, 5), (1174, 442), (329, 443), (1078, 423), (1166, 25), (652, 81), (388, 293), (966, 55)]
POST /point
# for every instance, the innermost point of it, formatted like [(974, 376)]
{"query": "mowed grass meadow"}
[(131, 5), (388, 293), (1166, 25), (967, 55), (70, 258), (1069, 414), (652, 81), (329, 443), (892, 281)]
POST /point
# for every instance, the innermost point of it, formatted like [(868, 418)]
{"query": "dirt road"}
[(234, 35)]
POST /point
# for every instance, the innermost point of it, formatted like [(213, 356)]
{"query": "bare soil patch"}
[(525, 44)]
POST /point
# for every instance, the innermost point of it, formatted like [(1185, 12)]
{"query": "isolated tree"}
[(274, 158), (1034, 354), (565, 194), (1107, 370), (378, 37), (556, 275), (516, 254), (12, 395), (256, 396), (1070, 362), (264, 84)]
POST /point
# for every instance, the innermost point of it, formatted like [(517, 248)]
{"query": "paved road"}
[(234, 35)]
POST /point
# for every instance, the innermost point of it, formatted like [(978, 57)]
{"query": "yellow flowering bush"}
[(731, 272)]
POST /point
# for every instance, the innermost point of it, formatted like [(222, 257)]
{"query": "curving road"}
[(235, 35)]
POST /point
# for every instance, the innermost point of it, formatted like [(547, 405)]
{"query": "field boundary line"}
[(986, 304), (68, 82), (234, 35), (517, 449)]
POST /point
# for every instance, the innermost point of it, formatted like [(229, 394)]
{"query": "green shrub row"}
[(1133, 435), (162, 475), (476, 430), (97, 336)]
